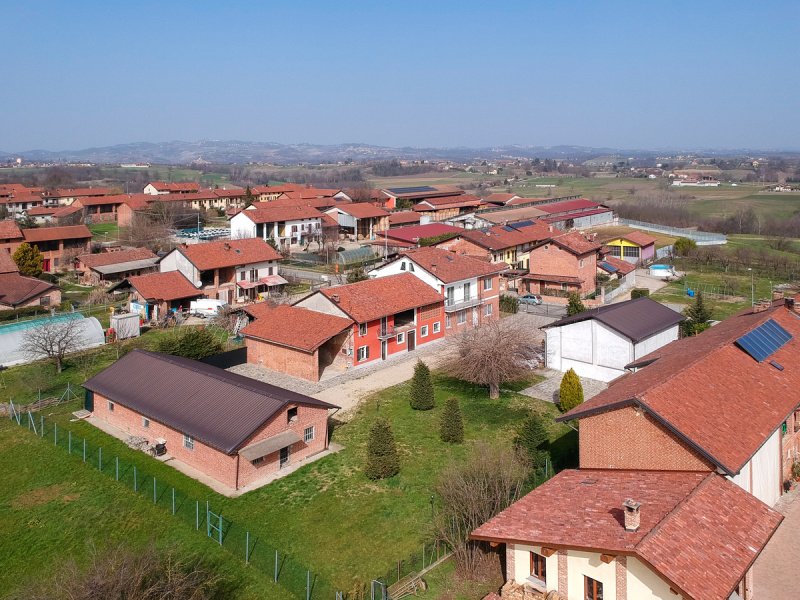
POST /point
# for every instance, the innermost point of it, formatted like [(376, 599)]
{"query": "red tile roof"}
[(622, 266), (171, 285), (369, 300), (279, 214), (66, 232), (499, 197), (576, 242), (229, 253), (442, 202), (501, 237), (16, 289), (360, 210), (699, 531), (449, 267), (714, 395), (403, 217), (569, 206), (294, 327), (9, 230), (639, 238), (433, 191), (78, 192), (65, 211), (41, 210), (100, 200), (553, 278), (7, 264), (113, 258), (187, 186), (414, 233)]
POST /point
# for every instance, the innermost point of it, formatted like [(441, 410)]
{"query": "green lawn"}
[(104, 232), (327, 516)]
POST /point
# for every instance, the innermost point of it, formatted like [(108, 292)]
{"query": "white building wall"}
[(580, 564), (242, 227), (396, 267), (742, 479), (766, 470), (522, 565), (612, 349), (320, 303), (175, 261), (644, 584), (654, 342), (552, 348)]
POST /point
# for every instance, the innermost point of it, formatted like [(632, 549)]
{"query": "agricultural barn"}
[(233, 429)]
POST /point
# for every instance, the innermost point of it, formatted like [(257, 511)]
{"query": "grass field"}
[(327, 515), (104, 232)]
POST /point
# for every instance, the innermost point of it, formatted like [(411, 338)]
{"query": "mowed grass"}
[(774, 205), (328, 516)]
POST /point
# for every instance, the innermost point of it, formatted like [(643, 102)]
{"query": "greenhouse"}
[(356, 255), (12, 336)]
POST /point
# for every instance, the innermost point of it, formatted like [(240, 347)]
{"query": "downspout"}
[(238, 456)]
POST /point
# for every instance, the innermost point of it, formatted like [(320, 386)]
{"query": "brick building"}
[(231, 428), (155, 294), (58, 244), (106, 268), (709, 402), (469, 286), (631, 535), (18, 291), (563, 264), (10, 235), (297, 341), (390, 314)]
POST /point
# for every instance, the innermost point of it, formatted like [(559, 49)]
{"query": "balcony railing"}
[(451, 305)]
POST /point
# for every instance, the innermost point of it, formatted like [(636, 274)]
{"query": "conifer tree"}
[(570, 393), (451, 428), (382, 459), (532, 438), (421, 396), (28, 259), (697, 315), (574, 305)]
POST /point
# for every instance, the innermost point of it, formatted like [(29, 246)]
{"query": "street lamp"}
[(752, 288), (432, 502)]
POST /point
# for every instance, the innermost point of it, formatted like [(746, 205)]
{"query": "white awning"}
[(269, 445)]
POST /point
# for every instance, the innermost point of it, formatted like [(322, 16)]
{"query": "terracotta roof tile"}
[(501, 237), (569, 206), (449, 267), (171, 285), (280, 214), (78, 192), (294, 327), (113, 258), (360, 210), (698, 530), (9, 230), (67, 232), (369, 300), (7, 264), (639, 238), (576, 243), (442, 202), (187, 186), (414, 233), (723, 402), (622, 266), (403, 217), (229, 253), (16, 289)]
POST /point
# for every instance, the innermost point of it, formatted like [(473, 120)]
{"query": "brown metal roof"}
[(270, 445), (216, 407)]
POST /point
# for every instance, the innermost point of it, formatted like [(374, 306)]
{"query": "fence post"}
[(173, 501), (208, 521), (197, 515), (55, 434), (154, 490), (220, 529), (41, 424), (116, 468), (134, 478), (100, 458), (84, 449), (276, 566), (308, 585), (247, 548), (69, 442)]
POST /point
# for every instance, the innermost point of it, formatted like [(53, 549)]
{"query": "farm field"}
[(313, 512)]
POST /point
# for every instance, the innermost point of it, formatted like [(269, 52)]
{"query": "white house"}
[(470, 286), (286, 225), (600, 342)]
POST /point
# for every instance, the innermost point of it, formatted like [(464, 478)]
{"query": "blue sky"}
[(638, 74)]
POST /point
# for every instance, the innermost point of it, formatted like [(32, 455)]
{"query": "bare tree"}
[(492, 354), (471, 493), (54, 339), (151, 228)]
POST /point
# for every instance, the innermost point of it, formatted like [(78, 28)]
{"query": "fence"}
[(703, 238), (664, 252), (284, 569)]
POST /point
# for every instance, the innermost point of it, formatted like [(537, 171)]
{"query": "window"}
[(437, 327), (401, 338), (448, 322), (188, 442), (487, 284), (145, 422), (563, 287), (44, 301), (110, 406), (363, 353), (423, 331), (580, 264), (291, 415), (411, 267), (630, 252), (253, 275), (784, 428), (539, 566), (461, 317), (488, 310), (257, 461), (308, 434), (592, 589), (362, 329), (403, 266)]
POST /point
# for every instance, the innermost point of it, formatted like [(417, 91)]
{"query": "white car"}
[(207, 307)]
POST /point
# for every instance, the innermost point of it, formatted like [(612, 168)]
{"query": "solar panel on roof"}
[(611, 269), (508, 228), (523, 223), (413, 190), (764, 340)]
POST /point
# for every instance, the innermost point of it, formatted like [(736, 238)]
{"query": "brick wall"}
[(622, 577), (645, 445), (463, 246), (563, 573), (790, 445), (296, 363), (217, 464), (551, 259)]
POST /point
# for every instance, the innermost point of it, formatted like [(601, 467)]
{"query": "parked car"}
[(206, 307), (530, 299)]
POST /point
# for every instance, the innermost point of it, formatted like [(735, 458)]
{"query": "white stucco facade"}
[(596, 351), (761, 476), (291, 232)]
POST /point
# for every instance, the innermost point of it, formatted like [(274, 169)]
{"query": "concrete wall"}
[(176, 261), (645, 444)]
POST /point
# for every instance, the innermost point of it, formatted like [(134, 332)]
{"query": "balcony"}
[(385, 333), (451, 305)]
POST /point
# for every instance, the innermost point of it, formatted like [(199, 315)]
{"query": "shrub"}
[(509, 304), (421, 396), (574, 305), (570, 394), (639, 293), (28, 259), (190, 342), (532, 438), (451, 429), (683, 246), (382, 459)]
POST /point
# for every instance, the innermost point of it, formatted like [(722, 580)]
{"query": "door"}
[(411, 340), (46, 265), (88, 400), (383, 349), (284, 457)]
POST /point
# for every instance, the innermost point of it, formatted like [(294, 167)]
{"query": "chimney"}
[(789, 303), (632, 515), (777, 295), (335, 297), (226, 245), (762, 305)]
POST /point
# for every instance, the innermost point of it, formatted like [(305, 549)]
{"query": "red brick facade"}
[(552, 259), (646, 444), (790, 445), (230, 470)]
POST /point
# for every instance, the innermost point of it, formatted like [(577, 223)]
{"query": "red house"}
[(390, 315), (236, 430)]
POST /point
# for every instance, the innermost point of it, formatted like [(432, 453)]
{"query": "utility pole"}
[(752, 288)]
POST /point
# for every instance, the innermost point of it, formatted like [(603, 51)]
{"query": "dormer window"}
[(291, 415)]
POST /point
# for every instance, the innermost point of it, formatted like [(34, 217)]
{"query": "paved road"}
[(775, 571)]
